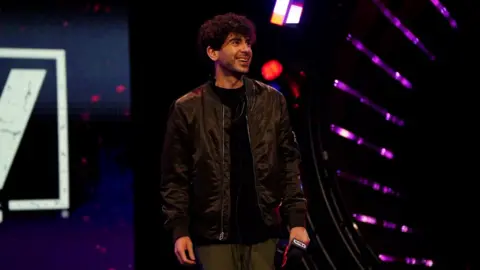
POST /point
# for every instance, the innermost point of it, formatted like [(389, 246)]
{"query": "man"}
[(230, 160)]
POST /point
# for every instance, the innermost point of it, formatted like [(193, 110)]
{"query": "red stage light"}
[(271, 70)]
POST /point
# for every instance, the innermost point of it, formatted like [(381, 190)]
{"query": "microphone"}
[(295, 250)]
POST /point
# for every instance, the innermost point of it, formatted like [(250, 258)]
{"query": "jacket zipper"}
[(222, 233), (253, 160)]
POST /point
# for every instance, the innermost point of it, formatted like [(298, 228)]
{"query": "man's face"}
[(235, 54)]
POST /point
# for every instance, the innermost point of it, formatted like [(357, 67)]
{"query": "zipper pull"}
[(222, 235)]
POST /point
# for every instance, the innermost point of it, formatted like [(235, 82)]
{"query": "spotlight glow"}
[(386, 224), (443, 10), (379, 62), (407, 260), (363, 99), (349, 135), (294, 14), (280, 12), (406, 32), (271, 70), (369, 183)]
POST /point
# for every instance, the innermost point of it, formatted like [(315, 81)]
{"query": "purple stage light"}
[(408, 260), (368, 183), (363, 99), (365, 219), (443, 10), (386, 224), (408, 34), (351, 136), (379, 62), (386, 258)]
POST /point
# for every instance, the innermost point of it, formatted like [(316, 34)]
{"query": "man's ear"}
[(212, 54)]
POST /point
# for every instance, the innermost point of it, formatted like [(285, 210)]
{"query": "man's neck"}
[(227, 81)]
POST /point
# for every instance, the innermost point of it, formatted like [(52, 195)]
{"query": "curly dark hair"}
[(214, 31)]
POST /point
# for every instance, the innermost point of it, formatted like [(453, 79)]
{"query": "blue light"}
[(275, 85)]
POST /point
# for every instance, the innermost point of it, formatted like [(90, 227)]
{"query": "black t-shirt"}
[(246, 223)]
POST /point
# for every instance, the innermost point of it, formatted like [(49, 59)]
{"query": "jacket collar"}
[(250, 91), (249, 84)]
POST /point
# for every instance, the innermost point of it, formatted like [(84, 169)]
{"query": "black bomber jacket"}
[(195, 184)]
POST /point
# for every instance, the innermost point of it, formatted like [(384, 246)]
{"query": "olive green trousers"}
[(238, 257)]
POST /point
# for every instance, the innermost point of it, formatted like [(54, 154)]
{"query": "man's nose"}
[(246, 47)]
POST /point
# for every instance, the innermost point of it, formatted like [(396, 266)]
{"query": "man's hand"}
[(299, 233), (182, 246)]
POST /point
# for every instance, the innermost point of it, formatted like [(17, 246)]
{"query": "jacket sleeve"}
[(175, 168), (294, 203)]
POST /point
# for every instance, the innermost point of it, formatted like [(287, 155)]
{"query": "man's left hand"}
[(299, 233)]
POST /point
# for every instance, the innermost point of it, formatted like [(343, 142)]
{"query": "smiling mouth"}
[(244, 60)]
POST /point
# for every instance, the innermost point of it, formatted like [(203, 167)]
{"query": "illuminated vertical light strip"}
[(363, 181), (363, 99), (408, 260), (294, 14), (351, 136), (279, 12), (379, 62), (443, 10), (408, 34), (386, 224)]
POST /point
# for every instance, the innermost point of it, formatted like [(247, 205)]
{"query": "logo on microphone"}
[(300, 244)]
